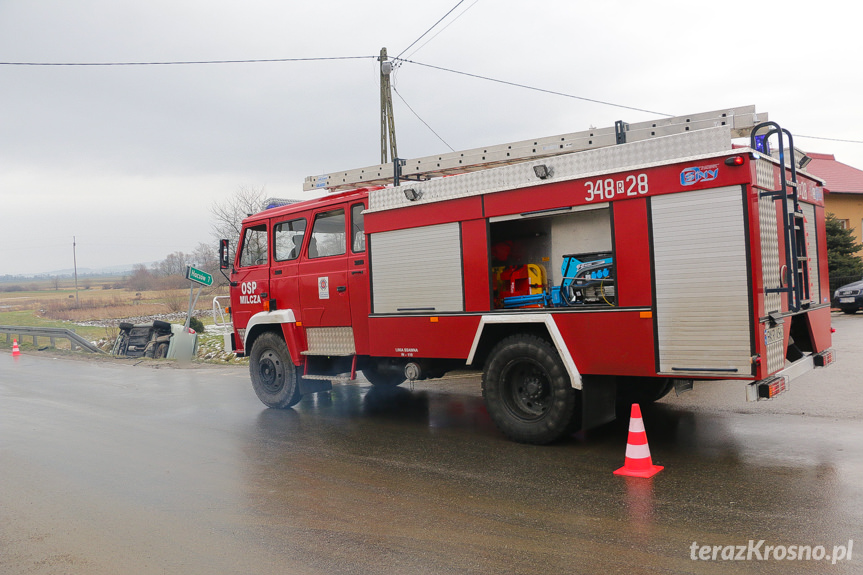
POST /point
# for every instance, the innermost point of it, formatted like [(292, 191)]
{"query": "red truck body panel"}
[(619, 339)]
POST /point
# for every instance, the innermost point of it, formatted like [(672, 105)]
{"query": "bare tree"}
[(205, 257), (141, 278), (174, 264), (229, 214)]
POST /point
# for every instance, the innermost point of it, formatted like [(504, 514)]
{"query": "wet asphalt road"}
[(116, 468)]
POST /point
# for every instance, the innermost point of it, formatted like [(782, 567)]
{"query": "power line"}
[(421, 120), (450, 23), (420, 48), (185, 62), (398, 59), (829, 139), (430, 29), (533, 88)]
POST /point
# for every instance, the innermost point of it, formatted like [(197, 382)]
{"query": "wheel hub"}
[(532, 388), (272, 376), (528, 391)]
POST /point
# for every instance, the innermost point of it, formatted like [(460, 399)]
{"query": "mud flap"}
[(598, 401)]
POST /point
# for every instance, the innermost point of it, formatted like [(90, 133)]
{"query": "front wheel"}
[(274, 377), (527, 390)]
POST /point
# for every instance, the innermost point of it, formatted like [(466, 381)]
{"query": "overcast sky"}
[(129, 159)]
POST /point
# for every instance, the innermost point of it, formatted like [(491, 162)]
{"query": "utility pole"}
[(75, 263), (388, 122)]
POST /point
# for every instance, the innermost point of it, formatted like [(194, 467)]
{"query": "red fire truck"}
[(574, 272)]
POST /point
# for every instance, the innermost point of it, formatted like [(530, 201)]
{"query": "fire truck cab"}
[(574, 272)]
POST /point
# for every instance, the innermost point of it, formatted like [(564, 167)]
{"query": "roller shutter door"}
[(417, 270), (703, 314)]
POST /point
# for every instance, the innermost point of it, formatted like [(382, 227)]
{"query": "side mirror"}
[(223, 255)]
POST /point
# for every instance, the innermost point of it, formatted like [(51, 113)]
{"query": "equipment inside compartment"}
[(558, 260)]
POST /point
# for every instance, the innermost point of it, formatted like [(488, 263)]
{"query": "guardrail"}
[(52, 333), (221, 322)]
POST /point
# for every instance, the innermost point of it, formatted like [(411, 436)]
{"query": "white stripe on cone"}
[(637, 451), (636, 424)]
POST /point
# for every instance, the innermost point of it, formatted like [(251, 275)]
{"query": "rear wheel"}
[(274, 377), (642, 389), (527, 390), (383, 377)]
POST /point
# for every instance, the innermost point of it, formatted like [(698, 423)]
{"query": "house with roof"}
[(845, 190)]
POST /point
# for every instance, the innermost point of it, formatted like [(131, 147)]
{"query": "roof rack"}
[(741, 120)]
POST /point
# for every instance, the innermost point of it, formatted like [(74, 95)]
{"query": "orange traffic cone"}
[(15, 351), (637, 462)]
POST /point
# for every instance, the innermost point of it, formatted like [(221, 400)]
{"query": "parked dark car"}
[(849, 297)]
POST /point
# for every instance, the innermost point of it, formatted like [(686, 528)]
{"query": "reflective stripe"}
[(280, 316), (636, 425), (637, 451)]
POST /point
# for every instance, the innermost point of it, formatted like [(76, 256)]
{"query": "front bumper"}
[(850, 303)]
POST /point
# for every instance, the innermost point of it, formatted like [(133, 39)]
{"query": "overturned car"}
[(156, 339)]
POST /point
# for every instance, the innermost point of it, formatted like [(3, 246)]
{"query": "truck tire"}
[(642, 390), (527, 390), (382, 377), (274, 376)]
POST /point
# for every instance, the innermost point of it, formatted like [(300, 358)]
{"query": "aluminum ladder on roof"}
[(741, 121), (796, 256)]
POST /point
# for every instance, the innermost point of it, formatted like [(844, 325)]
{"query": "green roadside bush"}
[(196, 325)]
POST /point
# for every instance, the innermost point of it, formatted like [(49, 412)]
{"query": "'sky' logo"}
[(691, 176)]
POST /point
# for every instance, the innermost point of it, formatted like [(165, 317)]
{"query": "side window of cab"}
[(253, 251), (288, 239), (328, 235), (358, 236)]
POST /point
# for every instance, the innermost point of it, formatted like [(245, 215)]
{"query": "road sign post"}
[(202, 278)]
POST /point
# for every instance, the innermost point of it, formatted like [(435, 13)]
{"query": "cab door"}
[(251, 272), (358, 278), (323, 271), (288, 238)]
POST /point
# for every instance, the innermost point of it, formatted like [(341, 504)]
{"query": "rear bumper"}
[(779, 382)]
